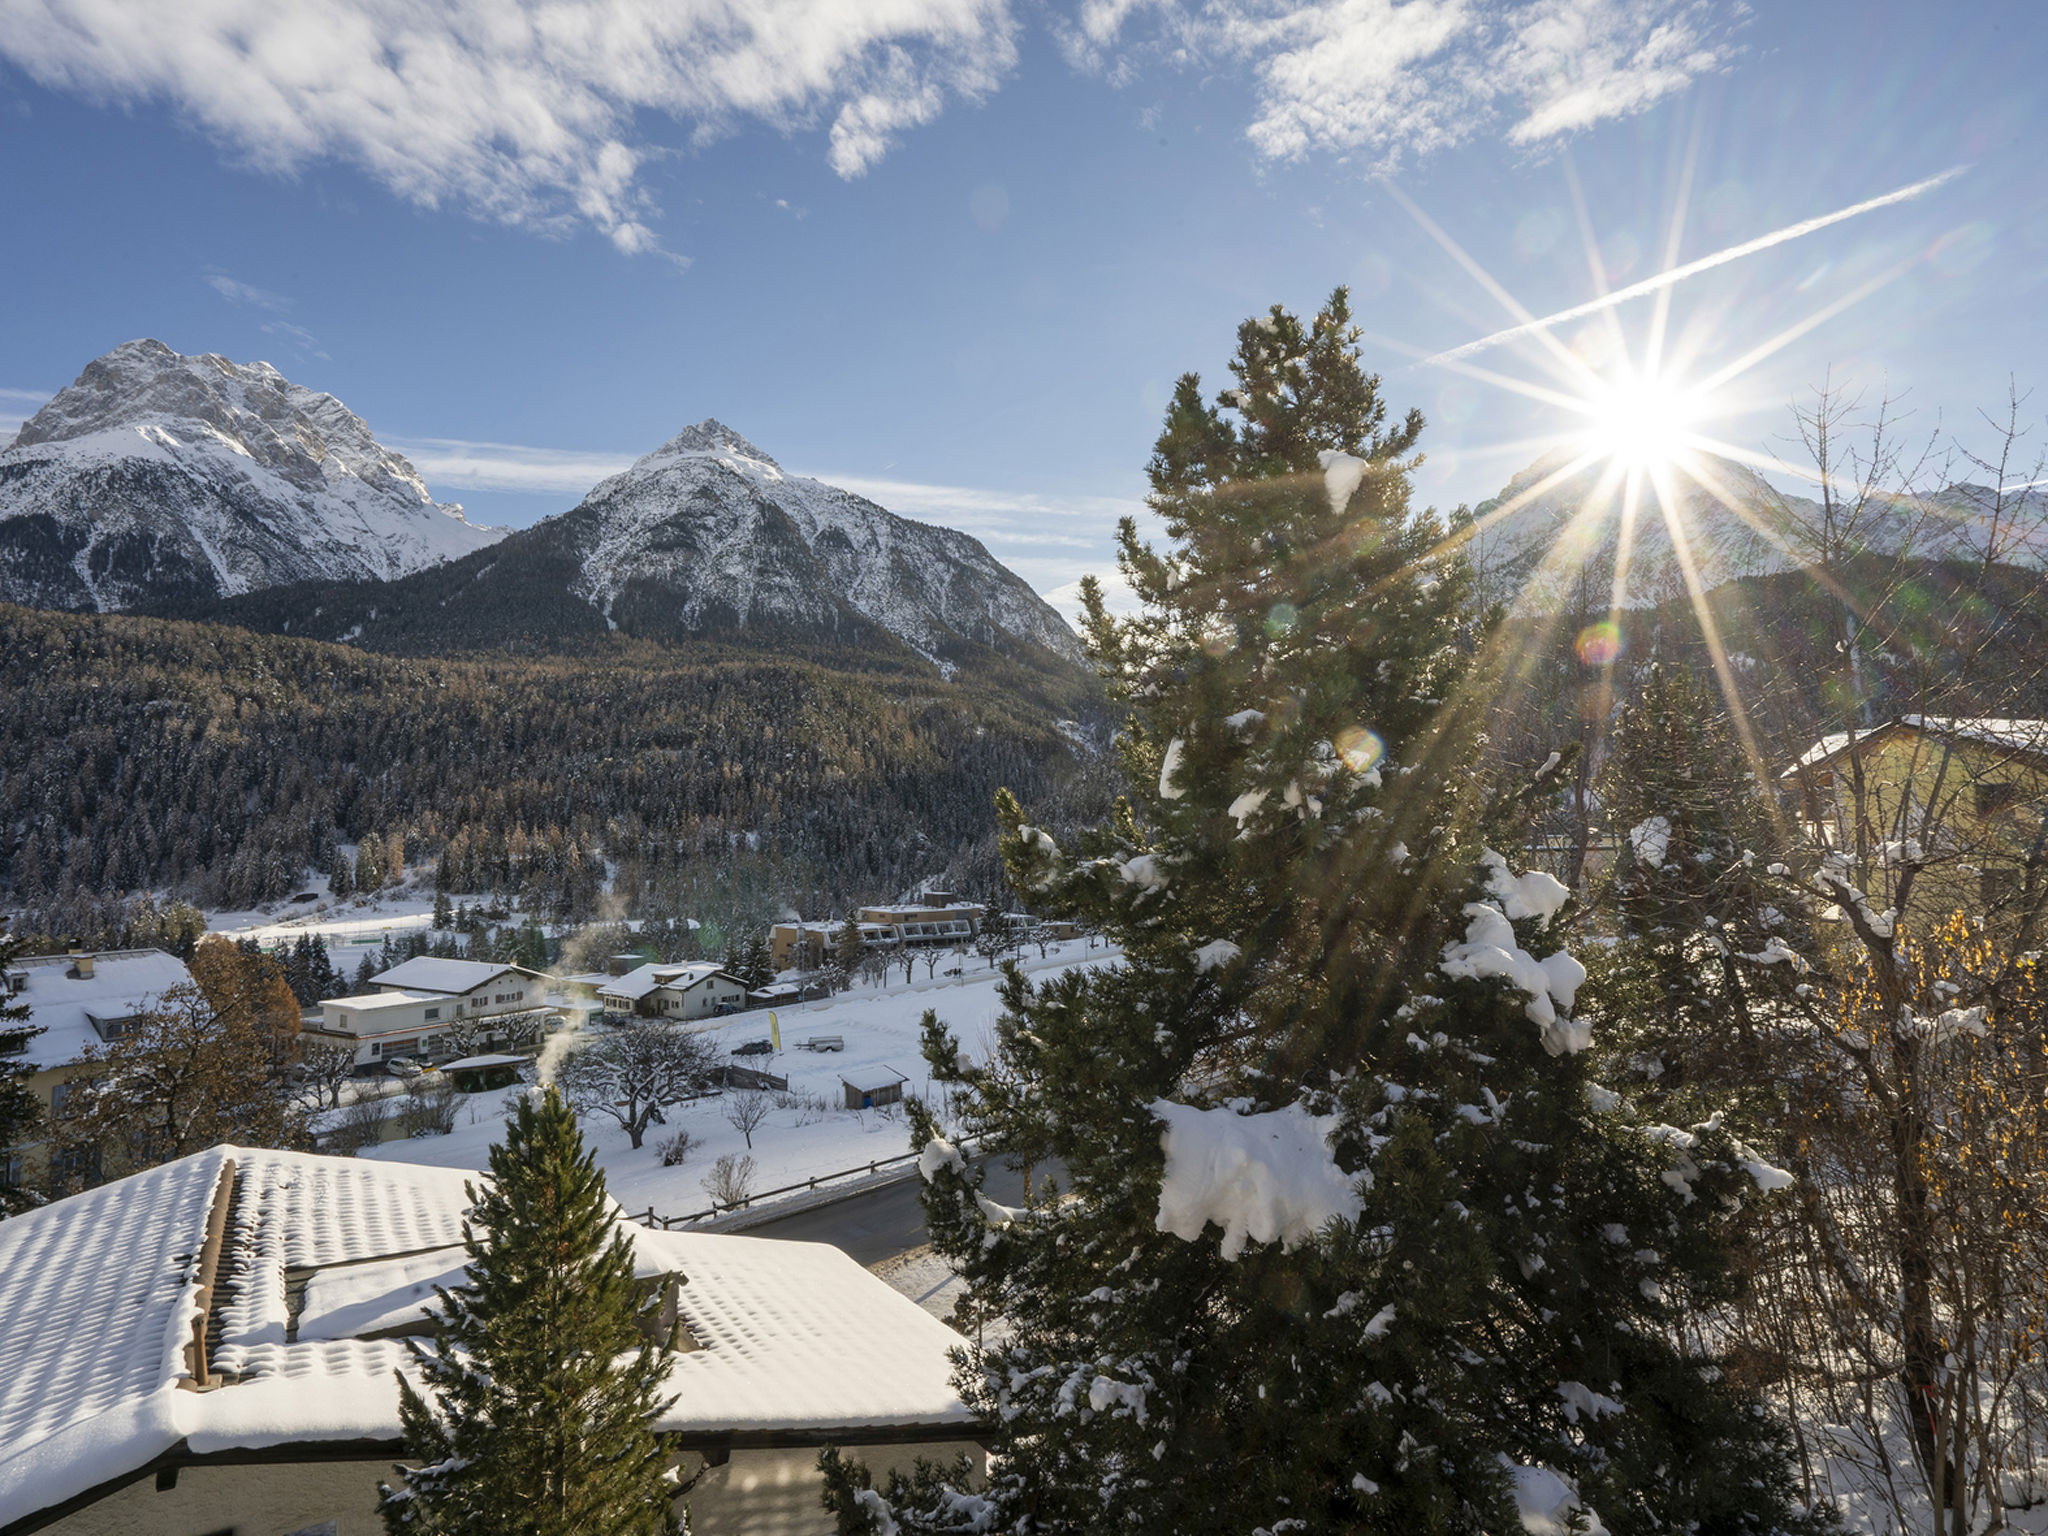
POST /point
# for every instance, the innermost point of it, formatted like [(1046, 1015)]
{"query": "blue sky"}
[(952, 253)]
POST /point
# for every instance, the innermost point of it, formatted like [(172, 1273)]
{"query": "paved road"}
[(879, 1223)]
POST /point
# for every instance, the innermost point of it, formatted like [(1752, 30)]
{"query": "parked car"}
[(755, 1048), (404, 1066)]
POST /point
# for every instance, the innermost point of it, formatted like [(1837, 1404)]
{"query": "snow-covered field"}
[(880, 1028)]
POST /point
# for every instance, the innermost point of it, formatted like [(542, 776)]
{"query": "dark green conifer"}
[(1710, 945), (1484, 1295), (21, 1112), (542, 1389)]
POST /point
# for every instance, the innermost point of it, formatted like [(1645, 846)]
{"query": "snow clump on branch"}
[(1264, 1178)]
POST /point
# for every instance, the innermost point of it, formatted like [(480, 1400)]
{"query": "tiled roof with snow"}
[(124, 982), (424, 973), (635, 984), (99, 1292), (2009, 735)]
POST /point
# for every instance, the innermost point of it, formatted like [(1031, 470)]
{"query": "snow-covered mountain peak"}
[(159, 475), (708, 530), (709, 438)]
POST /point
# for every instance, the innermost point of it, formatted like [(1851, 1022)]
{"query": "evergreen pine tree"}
[(21, 1112), (1452, 1267), (848, 949), (542, 1389), (341, 876), (444, 915), (365, 978), (1710, 944), (760, 960)]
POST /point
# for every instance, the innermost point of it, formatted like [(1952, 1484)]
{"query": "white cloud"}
[(1385, 81), (468, 466), (297, 336), (235, 291), (524, 111)]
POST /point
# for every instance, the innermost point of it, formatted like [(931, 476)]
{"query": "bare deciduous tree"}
[(636, 1071), (731, 1179), (324, 1069), (745, 1110)]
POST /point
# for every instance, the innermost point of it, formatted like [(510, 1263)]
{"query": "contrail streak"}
[(1666, 279)]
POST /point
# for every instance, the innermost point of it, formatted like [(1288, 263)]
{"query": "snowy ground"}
[(352, 927), (880, 1028)]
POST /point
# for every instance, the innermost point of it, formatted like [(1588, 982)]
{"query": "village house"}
[(1963, 797), (78, 1000), (213, 1345), (699, 990), (936, 920), (419, 1002)]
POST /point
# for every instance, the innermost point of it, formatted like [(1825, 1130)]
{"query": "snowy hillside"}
[(716, 528), (157, 476), (1558, 549)]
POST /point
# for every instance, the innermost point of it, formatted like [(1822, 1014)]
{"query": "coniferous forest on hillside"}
[(219, 766)]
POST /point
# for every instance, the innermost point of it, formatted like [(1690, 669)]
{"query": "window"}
[(1993, 798), (433, 1013), (59, 1092)]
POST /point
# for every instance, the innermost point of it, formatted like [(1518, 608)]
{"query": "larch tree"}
[(542, 1386), (1339, 1233), (21, 1113)]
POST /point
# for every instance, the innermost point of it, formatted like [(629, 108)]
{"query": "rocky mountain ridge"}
[(157, 477)]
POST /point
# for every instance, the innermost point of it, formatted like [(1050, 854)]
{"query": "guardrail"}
[(648, 1218)]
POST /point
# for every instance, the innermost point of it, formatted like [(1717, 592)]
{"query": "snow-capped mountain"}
[(1557, 549), (706, 539), (712, 530), (159, 478)]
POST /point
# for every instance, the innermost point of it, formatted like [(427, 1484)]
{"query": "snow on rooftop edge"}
[(99, 1292)]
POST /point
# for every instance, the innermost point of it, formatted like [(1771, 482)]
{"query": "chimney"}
[(81, 964)]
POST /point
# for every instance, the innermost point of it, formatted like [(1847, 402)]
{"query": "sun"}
[(1641, 421)]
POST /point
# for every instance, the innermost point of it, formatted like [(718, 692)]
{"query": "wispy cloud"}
[(457, 464), (235, 291), (530, 115), (297, 335), (1381, 82), (16, 406)]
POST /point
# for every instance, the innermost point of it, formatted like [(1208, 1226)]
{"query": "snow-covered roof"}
[(101, 1291), (369, 1002), (123, 982), (2009, 735), (499, 1060), (641, 980), (425, 973)]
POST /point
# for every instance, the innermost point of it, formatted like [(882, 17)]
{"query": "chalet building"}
[(801, 946), (78, 1000), (938, 921), (1968, 796), (213, 1345), (418, 1002), (696, 991)]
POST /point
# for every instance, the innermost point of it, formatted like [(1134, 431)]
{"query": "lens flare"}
[(1599, 645), (1359, 749)]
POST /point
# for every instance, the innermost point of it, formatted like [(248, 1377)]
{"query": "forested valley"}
[(218, 766)]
